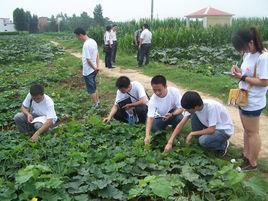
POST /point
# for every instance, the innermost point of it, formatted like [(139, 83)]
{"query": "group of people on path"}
[(210, 121), (110, 45)]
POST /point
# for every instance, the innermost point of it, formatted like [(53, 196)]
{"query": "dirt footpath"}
[(236, 139)]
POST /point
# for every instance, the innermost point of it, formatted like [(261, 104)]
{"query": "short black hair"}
[(159, 79), (79, 31), (122, 82), (146, 26), (114, 25), (108, 28), (190, 100), (36, 89)]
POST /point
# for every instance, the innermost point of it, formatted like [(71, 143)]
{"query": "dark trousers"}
[(138, 53), (114, 50), (144, 53), (108, 56), (140, 111)]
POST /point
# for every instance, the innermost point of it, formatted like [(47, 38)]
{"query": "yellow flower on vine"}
[(34, 199)]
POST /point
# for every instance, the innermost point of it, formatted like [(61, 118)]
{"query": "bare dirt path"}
[(236, 139)]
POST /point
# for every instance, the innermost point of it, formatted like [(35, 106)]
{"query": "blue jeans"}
[(90, 81), (216, 141), (159, 124)]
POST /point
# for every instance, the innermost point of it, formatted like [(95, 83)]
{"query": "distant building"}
[(211, 17), (6, 25), (42, 23)]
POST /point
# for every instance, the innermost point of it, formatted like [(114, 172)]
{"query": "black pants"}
[(138, 53), (114, 50), (108, 56), (144, 53), (140, 111)]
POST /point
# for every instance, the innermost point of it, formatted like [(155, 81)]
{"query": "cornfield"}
[(171, 33)]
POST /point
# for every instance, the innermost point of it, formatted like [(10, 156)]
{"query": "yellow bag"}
[(238, 97)]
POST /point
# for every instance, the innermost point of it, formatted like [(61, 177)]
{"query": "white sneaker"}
[(226, 148)]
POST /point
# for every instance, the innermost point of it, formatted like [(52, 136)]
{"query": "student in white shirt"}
[(108, 42), (138, 97), (42, 106), (90, 60), (114, 39), (211, 122), (145, 45), (164, 107), (248, 41)]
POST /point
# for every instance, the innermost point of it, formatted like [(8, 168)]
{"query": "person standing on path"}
[(136, 41), (145, 45), (108, 42), (253, 77), (114, 39), (90, 60)]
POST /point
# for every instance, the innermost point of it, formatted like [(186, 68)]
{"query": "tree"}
[(28, 19), (19, 19), (34, 24), (53, 26), (98, 17)]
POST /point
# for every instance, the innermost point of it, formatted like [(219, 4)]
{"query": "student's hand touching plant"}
[(107, 119), (189, 138), (168, 147), (147, 140)]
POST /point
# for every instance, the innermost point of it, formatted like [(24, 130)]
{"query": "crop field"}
[(83, 158)]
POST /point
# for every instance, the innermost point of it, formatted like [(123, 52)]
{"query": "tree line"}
[(24, 21)]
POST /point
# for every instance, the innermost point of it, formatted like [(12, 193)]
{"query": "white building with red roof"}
[(211, 17)]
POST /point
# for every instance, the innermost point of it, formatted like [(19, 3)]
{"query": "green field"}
[(84, 159)]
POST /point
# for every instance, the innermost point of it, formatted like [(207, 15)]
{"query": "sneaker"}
[(248, 168), (96, 105), (226, 148)]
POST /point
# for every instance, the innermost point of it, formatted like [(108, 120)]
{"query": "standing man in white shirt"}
[(134, 91), (145, 45), (114, 39), (90, 60), (211, 122), (42, 106), (108, 43), (164, 107)]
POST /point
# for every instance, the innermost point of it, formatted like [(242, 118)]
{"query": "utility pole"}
[(152, 9)]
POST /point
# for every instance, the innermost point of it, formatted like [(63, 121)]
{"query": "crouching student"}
[(41, 118), (210, 120), (164, 107), (130, 103)]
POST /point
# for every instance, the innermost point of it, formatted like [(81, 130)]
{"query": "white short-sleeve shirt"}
[(113, 36), (43, 108), (257, 94), (146, 35), (89, 51), (137, 91), (108, 38), (158, 107), (215, 114)]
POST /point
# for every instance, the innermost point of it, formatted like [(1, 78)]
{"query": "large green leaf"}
[(161, 187)]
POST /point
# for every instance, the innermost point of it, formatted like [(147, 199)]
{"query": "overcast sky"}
[(122, 10)]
